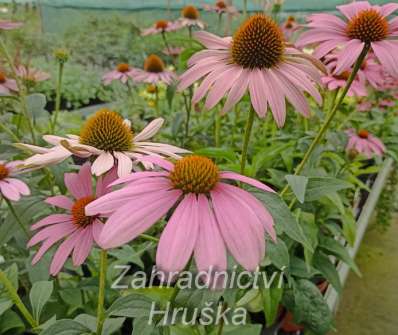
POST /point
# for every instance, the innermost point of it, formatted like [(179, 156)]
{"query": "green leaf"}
[(39, 295), (333, 247), (112, 325), (182, 330), (325, 266), (239, 330), (5, 304), (11, 321), (349, 227), (284, 220), (141, 327), (66, 327), (132, 305), (278, 253), (252, 300), (318, 187), (272, 297), (298, 184)]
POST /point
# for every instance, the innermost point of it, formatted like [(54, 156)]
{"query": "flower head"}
[(364, 106), (31, 75), (9, 25), (365, 143), (257, 60), (74, 228), (363, 24), (220, 7), (122, 72), (173, 51), (11, 187), (210, 217), (154, 72), (161, 27), (190, 18), (108, 138), (289, 27), (7, 85)]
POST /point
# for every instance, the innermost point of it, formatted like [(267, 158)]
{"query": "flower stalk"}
[(330, 116), (246, 139), (13, 294), (58, 95), (101, 292)]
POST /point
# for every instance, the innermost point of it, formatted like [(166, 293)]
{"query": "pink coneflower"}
[(109, 139), (385, 103), (10, 187), (77, 231), (221, 7), (9, 25), (372, 72), (364, 106), (123, 73), (31, 75), (289, 27), (364, 143), (334, 81), (364, 24), (7, 86), (257, 60), (210, 217), (190, 18), (173, 51), (161, 27), (154, 72)]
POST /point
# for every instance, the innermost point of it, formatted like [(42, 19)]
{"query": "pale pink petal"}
[(179, 236), (102, 164), (60, 201), (237, 91), (85, 179), (352, 9), (386, 52), (139, 175), (55, 229), (97, 230), (388, 9), (19, 185), (136, 217), (63, 252), (51, 219), (9, 191), (211, 41), (124, 164), (158, 161), (257, 88), (150, 130), (247, 180), (276, 99), (83, 246), (104, 182)]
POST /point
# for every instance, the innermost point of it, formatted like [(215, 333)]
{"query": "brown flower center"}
[(343, 76), (161, 24), (363, 133), (368, 26), (221, 4), (258, 43), (78, 214), (154, 64), (194, 174), (190, 12), (123, 67), (3, 78), (105, 130), (151, 89), (3, 172)]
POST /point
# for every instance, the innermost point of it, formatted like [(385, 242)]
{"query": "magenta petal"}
[(247, 180), (48, 232), (63, 252), (179, 237), (60, 201), (83, 246)]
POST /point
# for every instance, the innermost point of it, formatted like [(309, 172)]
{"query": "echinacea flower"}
[(108, 138), (289, 27), (257, 60), (210, 217), (154, 72), (190, 18), (9, 25), (364, 143), (220, 7), (31, 75), (333, 81), (372, 72), (122, 72), (7, 85), (362, 25), (364, 106), (173, 51), (384, 103), (74, 228), (161, 27), (11, 187)]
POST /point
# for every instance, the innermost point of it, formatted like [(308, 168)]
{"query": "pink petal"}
[(386, 52), (179, 236), (150, 130), (19, 185), (276, 99), (9, 191), (104, 182), (158, 161), (136, 217), (124, 164), (102, 164), (247, 180), (51, 219), (139, 175), (257, 88), (348, 56), (211, 41), (237, 91), (63, 252), (83, 246), (60, 201), (352, 9), (55, 229), (97, 230)]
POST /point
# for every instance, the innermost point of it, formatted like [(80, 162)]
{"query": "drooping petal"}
[(124, 164), (102, 164), (83, 246), (150, 130), (348, 56), (19, 185)]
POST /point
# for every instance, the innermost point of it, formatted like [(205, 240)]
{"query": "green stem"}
[(221, 327), (58, 96), (330, 116), (149, 238), (244, 9), (101, 292), (248, 131), (217, 129), (14, 213), (157, 101), (13, 294)]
